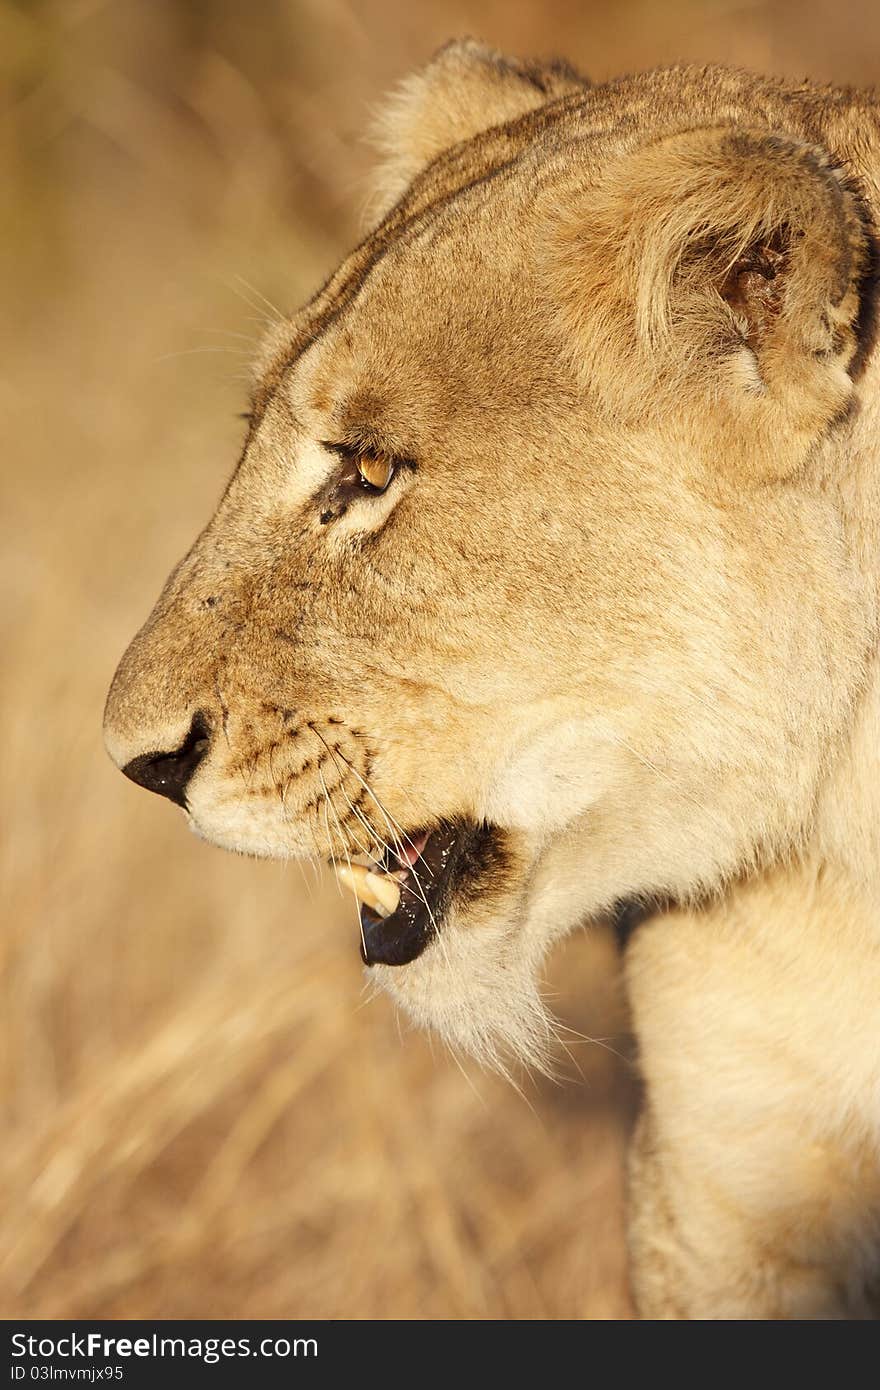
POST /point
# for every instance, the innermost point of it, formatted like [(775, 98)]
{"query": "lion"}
[(548, 580)]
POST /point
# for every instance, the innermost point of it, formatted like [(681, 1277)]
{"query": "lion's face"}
[(474, 612)]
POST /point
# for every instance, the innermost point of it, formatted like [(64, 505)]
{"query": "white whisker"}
[(277, 316), (329, 802)]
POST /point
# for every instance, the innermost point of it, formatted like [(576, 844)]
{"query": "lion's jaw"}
[(608, 653)]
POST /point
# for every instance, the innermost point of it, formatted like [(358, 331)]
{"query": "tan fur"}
[(625, 608)]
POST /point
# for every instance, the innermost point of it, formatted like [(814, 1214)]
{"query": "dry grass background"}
[(199, 1116)]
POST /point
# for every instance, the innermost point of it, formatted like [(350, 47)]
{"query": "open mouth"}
[(405, 896)]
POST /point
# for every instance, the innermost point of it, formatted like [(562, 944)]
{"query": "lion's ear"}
[(465, 89), (718, 276)]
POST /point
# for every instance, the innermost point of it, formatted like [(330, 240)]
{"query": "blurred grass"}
[(198, 1116)]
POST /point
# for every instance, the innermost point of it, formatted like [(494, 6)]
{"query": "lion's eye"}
[(361, 471), (376, 471)]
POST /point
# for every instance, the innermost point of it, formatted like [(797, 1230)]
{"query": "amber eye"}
[(376, 470)]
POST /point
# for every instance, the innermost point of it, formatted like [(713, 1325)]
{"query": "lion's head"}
[(533, 587)]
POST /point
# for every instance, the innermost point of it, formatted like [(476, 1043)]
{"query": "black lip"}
[(453, 857)]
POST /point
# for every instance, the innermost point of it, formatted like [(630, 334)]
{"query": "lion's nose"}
[(169, 774)]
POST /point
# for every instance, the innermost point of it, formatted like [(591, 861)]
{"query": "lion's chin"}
[(454, 952), (475, 984)]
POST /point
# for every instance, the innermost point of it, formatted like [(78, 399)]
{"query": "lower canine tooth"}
[(375, 891)]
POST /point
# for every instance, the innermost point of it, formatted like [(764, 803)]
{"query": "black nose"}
[(169, 773)]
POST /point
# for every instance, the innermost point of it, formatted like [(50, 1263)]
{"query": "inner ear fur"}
[(465, 89), (715, 278)]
